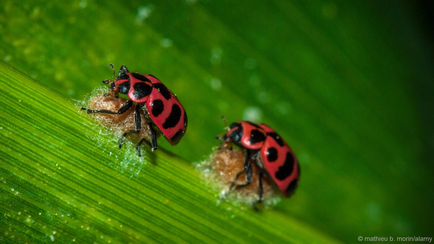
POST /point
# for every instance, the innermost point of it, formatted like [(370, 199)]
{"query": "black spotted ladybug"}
[(273, 156), (158, 103)]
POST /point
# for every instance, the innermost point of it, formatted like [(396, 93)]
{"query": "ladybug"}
[(160, 106), (267, 148)]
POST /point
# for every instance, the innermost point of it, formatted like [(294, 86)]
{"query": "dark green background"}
[(348, 84)]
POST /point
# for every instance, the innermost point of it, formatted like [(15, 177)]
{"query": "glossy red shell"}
[(163, 107), (276, 156), (166, 111), (284, 167)]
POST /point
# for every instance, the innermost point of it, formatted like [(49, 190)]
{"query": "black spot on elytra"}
[(177, 137), (163, 90), (286, 169), (124, 87), (141, 90), (291, 188), (174, 117), (256, 136), (277, 138), (157, 107), (140, 77), (271, 154)]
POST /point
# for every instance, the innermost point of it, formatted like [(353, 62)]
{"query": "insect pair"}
[(162, 109)]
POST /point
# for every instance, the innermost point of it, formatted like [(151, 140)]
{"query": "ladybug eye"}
[(236, 135), (124, 88), (112, 86)]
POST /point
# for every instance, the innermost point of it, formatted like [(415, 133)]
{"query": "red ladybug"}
[(273, 156), (156, 101)]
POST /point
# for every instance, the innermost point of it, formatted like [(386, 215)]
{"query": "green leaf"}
[(348, 85), (59, 183)]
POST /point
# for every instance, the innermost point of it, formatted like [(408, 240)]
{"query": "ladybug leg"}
[(260, 192), (248, 178), (225, 144), (152, 144), (108, 81), (138, 126), (112, 94), (122, 110), (153, 138), (248, 168), (140, 144)]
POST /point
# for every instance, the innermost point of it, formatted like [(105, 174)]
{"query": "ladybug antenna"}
[(114, 71), (226, 123), (219, 137)]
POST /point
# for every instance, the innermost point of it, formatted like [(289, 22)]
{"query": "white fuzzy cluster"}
[(107, 138)]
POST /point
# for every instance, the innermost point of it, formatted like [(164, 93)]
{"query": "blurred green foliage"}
[(347, 84)]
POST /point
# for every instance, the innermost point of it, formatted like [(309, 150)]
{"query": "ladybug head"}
[(235, 133), (121, 84)]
